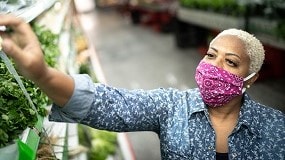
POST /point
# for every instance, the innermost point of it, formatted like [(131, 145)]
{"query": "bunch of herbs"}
[(16, 114)]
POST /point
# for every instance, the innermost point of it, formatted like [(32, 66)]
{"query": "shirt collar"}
[(196, 103), (248, 116)]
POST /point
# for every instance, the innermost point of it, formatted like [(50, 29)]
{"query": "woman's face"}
[(228, 52)]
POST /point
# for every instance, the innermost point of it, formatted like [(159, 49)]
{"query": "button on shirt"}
[(180, 118)]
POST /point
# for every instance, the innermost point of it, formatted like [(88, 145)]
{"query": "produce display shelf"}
[(265, 30), (54, 19), (153, 7), (209, 20), (67, 146), (271, 40), (31, 137), (57, 130), (34, 10), (86, 21), (56, 14), (25, 147)]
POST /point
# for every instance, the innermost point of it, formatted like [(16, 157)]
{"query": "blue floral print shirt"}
[(180, 118)]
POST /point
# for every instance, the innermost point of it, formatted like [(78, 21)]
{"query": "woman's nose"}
[(217, 62)]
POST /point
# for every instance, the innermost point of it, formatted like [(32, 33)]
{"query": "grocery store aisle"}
[(138, 57)]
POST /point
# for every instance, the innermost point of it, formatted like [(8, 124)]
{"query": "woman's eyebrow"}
[(214, 49), (233, 54), (227, 54)]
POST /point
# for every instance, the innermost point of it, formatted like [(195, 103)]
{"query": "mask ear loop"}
[(247, 78)]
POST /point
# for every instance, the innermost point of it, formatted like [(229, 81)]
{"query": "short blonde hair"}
[(254, 47)]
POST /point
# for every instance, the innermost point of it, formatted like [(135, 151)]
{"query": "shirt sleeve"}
[(105, 107), (78, 105)]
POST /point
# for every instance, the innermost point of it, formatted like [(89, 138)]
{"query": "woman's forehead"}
[(229, 43)]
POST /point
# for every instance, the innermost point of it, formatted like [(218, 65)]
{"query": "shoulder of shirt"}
[(260, 118)]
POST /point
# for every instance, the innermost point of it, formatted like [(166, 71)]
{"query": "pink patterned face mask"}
[(218, 86)]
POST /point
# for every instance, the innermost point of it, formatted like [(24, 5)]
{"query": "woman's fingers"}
[(12, 22), (9, 20), (10, 48), (30, 62), (22, 45), (21, 33)]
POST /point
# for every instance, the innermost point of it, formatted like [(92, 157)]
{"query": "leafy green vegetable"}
[(228, 7), (280, 30), (16, 113), (49, 44), (101, 149), (101, 143)]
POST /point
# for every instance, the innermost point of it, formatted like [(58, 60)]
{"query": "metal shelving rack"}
[(66, 132), (262, 28), (209, 20), (86, 21), (31, 12)]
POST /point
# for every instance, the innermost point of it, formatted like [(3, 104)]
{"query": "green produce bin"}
[(17, 151)]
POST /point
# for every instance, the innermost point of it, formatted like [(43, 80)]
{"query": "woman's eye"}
[(209, 55), (231, 63)]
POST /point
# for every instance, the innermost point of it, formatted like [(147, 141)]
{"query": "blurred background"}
[(158, 43)]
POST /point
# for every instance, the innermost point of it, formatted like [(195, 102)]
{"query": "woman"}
[(216, 120)]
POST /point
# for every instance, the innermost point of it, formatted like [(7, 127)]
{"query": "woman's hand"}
[(23, 46)]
